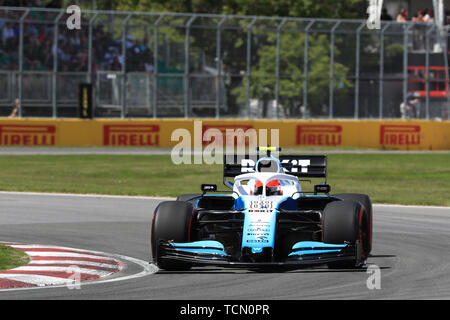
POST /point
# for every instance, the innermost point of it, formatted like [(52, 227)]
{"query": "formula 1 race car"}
[(266, 220)]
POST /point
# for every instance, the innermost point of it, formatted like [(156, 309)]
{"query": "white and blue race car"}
[(266, 220)]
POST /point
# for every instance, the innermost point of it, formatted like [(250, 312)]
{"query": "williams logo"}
[(319, 135), (27, 135), (399, 135), (140, 135)]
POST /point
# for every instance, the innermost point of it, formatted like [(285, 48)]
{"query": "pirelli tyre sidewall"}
[(171, 221), (367, 203), (342, 221)]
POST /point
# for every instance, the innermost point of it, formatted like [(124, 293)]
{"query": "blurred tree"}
[(292, 74)]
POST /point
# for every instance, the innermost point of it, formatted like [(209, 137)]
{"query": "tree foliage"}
[(291, 66), (286, 8)]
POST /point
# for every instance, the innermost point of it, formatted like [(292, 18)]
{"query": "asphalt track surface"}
[(411, 246)]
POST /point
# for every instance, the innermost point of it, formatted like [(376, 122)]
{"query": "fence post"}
[(155, 66), (55, 64), (381, 79), (358, 44), (91, 22), (249, 62), (90, 59), (148, 80), (427, 72), (447, 77), (331, 97), (22, 18), (305, 69), (277, 68), (187, 46), (219, 64), (405, 62), (124, 65)]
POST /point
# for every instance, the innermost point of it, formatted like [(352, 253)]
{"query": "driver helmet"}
[(273, 188)]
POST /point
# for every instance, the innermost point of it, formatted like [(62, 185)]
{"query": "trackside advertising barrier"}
[(378, 134)]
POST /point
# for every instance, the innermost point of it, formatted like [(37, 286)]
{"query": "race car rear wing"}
[(302, 166), (305, 166)]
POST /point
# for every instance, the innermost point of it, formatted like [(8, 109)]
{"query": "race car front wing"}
[(303, 253)]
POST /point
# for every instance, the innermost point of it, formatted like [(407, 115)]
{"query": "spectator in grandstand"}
[(72, 50), (35, 53), (5, 61), (7, 34), (418, 31), (148, 67), (385, 15), (15, 110), (139, 57), (2, 15), (402, 16), (411, 109), (419, 16), (428, 15)]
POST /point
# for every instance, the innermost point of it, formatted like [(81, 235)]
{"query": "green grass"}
[(422, 179), (11, 258)]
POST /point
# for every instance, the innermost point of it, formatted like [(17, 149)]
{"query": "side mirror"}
[(322, 188), (209, 188)]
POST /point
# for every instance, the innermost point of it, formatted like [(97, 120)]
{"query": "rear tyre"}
[(171, 221), (342, 222), (368, 217)]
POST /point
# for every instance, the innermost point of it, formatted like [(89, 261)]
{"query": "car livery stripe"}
[(201, 250), (302, 252), (315, 247)]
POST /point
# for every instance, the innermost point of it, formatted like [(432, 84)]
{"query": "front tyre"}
[(171, 221), (343, 222), (367, 203)]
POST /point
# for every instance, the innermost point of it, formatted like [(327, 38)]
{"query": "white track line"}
[(32, 246), (65, 254), (75, 263), (86, 195), (68, 270), (37, 280), (408, 206)]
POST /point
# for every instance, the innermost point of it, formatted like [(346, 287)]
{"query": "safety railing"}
[(145, 64)]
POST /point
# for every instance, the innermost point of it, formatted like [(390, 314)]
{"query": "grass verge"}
[(419, 179), (12, 258)]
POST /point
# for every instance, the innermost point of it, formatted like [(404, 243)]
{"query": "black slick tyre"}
[(342, 223), (171, 221), (368, 217)]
